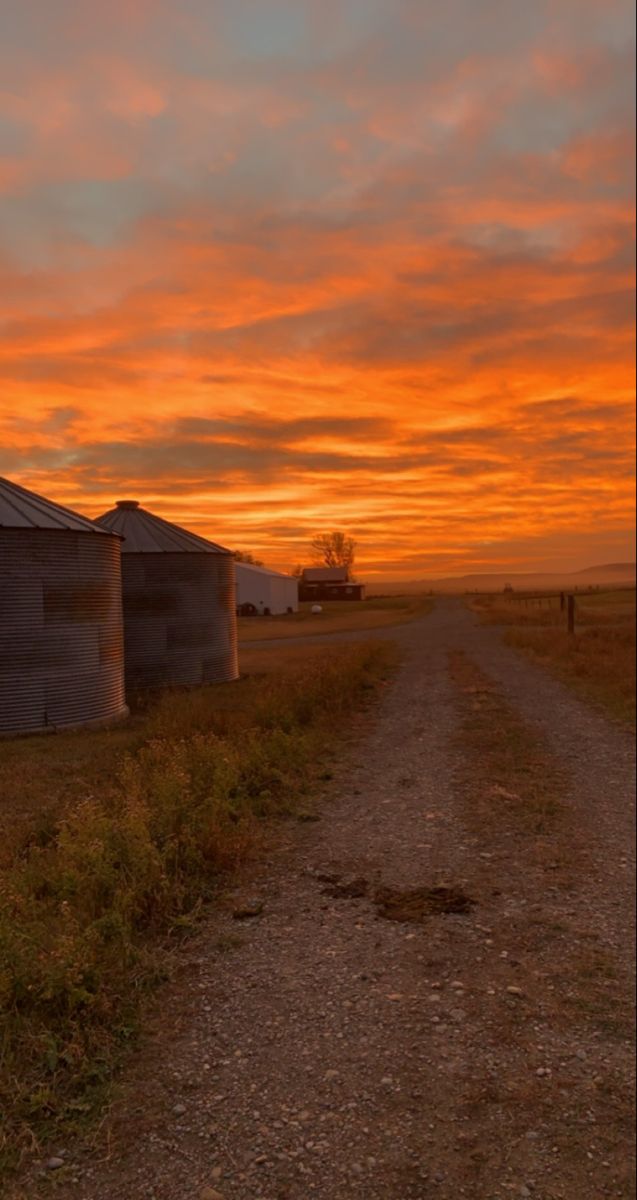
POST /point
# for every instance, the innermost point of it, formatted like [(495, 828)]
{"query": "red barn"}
[(329, 583)]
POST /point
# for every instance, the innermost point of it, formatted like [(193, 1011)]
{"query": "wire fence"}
[(566, 601)]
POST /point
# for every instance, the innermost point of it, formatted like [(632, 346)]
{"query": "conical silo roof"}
[(146, 533), (21, 509)]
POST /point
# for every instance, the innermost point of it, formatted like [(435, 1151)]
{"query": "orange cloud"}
[(273, 282)]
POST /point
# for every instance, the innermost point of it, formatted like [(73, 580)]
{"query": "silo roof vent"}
[(145, 533)]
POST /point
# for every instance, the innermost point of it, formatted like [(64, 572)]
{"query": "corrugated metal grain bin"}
[(61, 629), (180, 626)]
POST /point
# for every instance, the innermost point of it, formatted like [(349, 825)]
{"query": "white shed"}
[(266, 589)]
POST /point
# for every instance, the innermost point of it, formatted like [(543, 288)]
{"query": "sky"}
[(275, 267)]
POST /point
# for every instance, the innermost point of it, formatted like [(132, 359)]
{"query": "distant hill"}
[(605, 575), (615, 571)]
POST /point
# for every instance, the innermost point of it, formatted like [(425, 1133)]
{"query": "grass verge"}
[(338, 616), (90, 901), (515, 802), (598, 661), (42, 777)]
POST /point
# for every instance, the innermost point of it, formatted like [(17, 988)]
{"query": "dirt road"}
[(480, 1048)]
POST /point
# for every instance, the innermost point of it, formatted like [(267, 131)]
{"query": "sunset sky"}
[(279, 266)]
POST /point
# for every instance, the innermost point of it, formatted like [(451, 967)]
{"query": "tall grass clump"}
[(598, 661), (85, 913)]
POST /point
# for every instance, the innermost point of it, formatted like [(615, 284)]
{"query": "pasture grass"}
[(598, 661), (40, 777), (137, 829), (338, 616)]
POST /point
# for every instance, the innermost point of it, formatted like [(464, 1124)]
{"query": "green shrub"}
[(85, 912)]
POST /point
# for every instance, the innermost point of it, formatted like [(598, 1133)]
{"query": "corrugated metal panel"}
[(61, 629), (179, 619), (21, 509), (266, 589), (179, 596), (285, 594), (251, 567), (145, 533)]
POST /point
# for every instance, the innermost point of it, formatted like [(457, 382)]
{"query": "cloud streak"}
[(283, 266)]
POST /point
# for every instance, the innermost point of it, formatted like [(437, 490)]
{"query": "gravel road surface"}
[(319, 1050)]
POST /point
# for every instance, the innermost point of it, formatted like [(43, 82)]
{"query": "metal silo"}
[(61, 629), (180, 624)]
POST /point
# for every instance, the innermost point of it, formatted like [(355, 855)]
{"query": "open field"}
[(338, 616), (113, 840), (598, 660), (611, 606), (606, 575)]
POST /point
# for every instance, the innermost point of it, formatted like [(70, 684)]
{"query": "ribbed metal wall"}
[(61, 629), (266, 589), (179, 619)]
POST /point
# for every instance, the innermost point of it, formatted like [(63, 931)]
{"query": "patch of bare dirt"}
[(353, 889), (416, 904)]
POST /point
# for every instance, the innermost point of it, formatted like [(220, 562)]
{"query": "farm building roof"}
[(263, 570), (146, 533), (21, 509), (326, 575)]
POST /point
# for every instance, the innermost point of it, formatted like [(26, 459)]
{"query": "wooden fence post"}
[(571, 614)]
